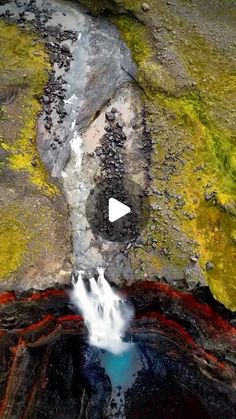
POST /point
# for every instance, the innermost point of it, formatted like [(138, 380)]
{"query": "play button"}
[(117, 210)]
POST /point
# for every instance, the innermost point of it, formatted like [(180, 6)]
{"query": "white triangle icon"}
[(117, 210)]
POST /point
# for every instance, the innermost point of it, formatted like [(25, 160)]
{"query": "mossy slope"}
[(191, 101), (24, 67), (34, 231)]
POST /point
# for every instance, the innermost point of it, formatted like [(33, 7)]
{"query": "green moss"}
[(15, 238), (214, 144), (152, 76), (213, 150), (25, 66), (98, 6), (3, 111), (24, 157), (27, 232), (198, 123), (217, 230), (134, 35), (113, 6)]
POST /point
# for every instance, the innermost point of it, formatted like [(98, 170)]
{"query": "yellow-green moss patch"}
[(217, 229), (15, 238), (25, 67), (197, 128), (29, 233)]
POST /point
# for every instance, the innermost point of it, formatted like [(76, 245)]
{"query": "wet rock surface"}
[(185, 346), (112, 154), (72, 98)]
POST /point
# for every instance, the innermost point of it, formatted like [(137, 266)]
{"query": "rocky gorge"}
[(187, 352), (138, 97)]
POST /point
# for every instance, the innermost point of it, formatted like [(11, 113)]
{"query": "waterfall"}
[(105, 313)]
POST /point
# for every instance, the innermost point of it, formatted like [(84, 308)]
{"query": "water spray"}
[(106, 315)]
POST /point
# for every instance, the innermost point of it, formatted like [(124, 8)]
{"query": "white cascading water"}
[(105, 314)]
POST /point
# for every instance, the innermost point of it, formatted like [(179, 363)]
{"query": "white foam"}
[(105, 313), (71, 99), (72, 127)]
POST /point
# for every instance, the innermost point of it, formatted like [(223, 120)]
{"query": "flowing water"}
[(107, 317), (122, 370), (106, 314)]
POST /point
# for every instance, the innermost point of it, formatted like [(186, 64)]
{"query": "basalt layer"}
[(187, 351)]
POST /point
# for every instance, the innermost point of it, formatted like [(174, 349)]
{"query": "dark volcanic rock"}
[(48, 370), (65, 48), (110, 116), (46, 100)]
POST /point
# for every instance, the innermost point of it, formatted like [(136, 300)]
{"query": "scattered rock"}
[(193, 259), (120, 124), (210, 266), (110, 116), (113, 404), (210, 196), (145, 7), (34, 162), (48, 126), (65, 48), (46, 100), (99, 152)]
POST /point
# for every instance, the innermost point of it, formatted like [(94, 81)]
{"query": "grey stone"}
[(46, 99), (48, 126), (110, 116), (99, 152), (65, 48), (210, 266), (210, 196), (145, 7), (120, 124)]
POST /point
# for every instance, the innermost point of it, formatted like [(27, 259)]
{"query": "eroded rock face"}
[(186, 348)]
